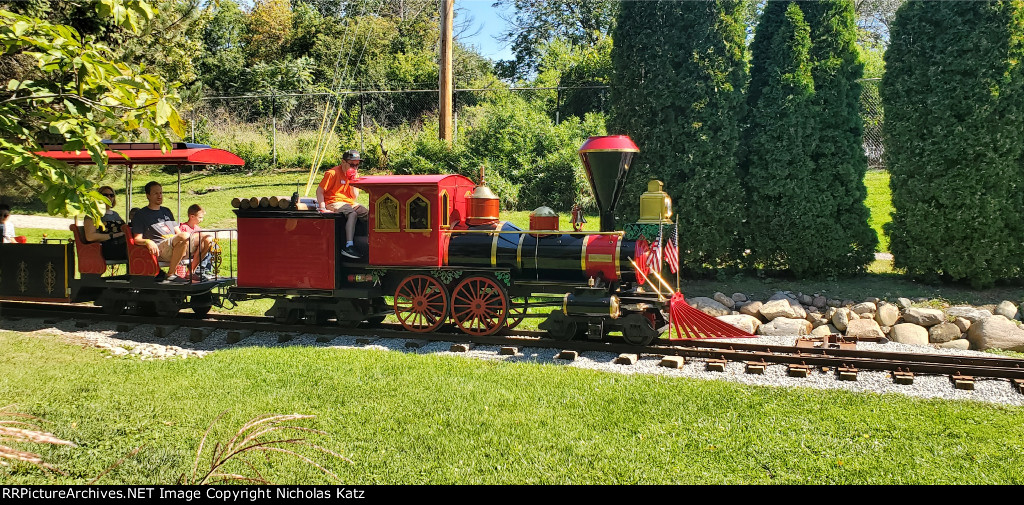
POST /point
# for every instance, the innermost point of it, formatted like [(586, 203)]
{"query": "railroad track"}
[(800, 360)]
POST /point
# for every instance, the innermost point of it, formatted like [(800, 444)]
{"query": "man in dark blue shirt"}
[(155, 226)]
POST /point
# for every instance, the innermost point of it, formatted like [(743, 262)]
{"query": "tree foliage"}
[(782, 142), (679, 71), (75, 96), (538, 22), (954, 131)]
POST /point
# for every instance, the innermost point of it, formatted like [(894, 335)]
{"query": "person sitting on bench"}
[(113, 244)]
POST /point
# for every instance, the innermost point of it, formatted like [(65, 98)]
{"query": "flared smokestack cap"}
[(606, 161)]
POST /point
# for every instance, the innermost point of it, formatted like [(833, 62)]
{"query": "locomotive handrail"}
[(538, 232)]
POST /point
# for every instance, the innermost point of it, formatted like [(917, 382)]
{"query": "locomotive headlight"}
[(655, 205)]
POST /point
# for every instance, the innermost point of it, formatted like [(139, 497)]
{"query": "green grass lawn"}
[(407, 418), (879, 202)]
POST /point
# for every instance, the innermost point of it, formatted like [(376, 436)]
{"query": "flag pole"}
[(679, 269)]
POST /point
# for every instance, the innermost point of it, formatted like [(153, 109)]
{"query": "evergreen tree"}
[(782, 141), (954, 131), (679, 70), (843, 236)]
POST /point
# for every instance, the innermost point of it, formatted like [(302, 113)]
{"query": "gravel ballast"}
[(141, 343)]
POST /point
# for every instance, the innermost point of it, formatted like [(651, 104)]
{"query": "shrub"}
[(953, 133), (679, 70), (782, 135)]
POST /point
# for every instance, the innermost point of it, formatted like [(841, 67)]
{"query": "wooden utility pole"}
[(445, 72)]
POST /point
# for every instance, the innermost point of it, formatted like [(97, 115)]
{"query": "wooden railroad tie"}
[(568, 355), (798, 370), (416, 343), (756, 367), (235, 336), (715, 365), (81, 324), (508, 351), (626, 359), (846, 373), (365, 340), (285, 337), (461, 347), (672, 362), (323, 339), (964, 382), (125, 327), (1018, 385), (903, 378), (198, 334), (165, 330), (51, 321)]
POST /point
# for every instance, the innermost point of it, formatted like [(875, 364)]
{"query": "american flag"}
[(672, 249), (654, 258)]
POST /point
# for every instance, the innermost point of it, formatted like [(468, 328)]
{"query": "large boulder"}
[(1007, 309), (943, 332), (841, 318), (969, 313), (745, 322), (752, 309), (709, 306), (909, 333), (784, 326), (887, 314), (963, 324), (864, 328), (923, 317), (779, 308), (739, 297), (824, 330), (996, 332)]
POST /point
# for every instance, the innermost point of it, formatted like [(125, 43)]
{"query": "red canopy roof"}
[(393, 180), (150, 154)]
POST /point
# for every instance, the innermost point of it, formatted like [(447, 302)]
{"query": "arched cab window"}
[(386, 218), (445, 211), (417, 214)]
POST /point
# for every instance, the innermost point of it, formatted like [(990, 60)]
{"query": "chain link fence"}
[(872, 115)]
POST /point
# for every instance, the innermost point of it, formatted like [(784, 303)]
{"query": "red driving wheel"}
[(479, 306), (421, 303)]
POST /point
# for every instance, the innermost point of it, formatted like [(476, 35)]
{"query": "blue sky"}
[(485, 27)]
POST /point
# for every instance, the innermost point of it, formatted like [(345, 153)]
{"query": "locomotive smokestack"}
[(606, 160)]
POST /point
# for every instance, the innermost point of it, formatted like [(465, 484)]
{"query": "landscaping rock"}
[(864, 328), (823, 330), (909, 333), (819, 301), (904, 303), (841, 319), (783, 326), (752, 309), (815, 318), (709, 306), (724, 300), (779, 308), (868, 315), (886, 329), (996, 332), (739, 297), (832, 302), (961, 343), (963, 324), (745, 322), (805, 299), (864, 307), (923, 317), (871, 299), (943, 332), (1007, 309), (848, 303), (887, 314), (969, 313)]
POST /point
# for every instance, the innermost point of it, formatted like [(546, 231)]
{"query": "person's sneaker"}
[(203, 277), (177, 280), (161, 276), (350, 252)]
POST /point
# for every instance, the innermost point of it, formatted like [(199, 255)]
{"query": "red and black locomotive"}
[(435, 251)]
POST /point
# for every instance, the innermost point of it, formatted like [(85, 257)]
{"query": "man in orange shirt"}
[(336, 194)]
